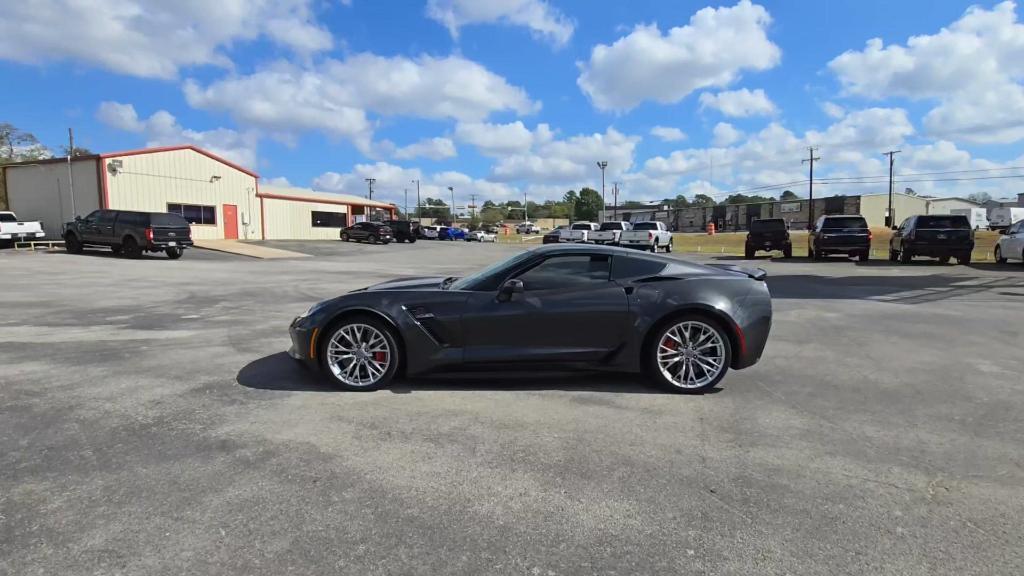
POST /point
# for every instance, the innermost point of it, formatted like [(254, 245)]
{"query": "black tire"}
[(72, 244), (943, 259), (906, 256), (654, 247), (115, 250), (668, 247), (998, 256), (864, 256), (175, 253), (130, 248), (748, 254), (964, 260), (344, 237), (372, 238), (787, 252), (412, 240), (379, 325), (653, 370), (894, 256)]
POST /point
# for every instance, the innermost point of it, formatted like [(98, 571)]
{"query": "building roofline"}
[(59, 160), (206, 153)]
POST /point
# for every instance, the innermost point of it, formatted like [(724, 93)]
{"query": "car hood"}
[(408, 283)]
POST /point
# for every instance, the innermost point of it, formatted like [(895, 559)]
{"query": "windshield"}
[(167, 220), (582, 226), (498, 269), (646, 226), (943, 222), (768, 226), (7, 217), (844, 222), (613, 226)]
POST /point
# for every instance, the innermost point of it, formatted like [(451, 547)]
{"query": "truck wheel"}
[(115, 250), (654, 247), (999, 256), (130, 248), (943, 259), (668, 247), (787, 252), (175, 253), (864, 256), (905, 256), (72, 244), (964, 260), (894, 256), (748, 254)]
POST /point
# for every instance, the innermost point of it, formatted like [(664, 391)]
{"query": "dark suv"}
[(404, 230), (768, 234), (939, 236), (371, 232), (848, 235), (129, 233)]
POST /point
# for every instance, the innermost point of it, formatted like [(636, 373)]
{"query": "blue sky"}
[(513, 97)]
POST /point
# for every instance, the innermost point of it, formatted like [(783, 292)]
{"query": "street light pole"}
[(452, 209), (604, 204), (369, 182), (419, 206), (406, 202)]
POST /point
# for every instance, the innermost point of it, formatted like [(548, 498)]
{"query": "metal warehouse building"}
[(221, 199)]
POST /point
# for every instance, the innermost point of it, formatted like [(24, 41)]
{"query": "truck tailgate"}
[(942, 236)]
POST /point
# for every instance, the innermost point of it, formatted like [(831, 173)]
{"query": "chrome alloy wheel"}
[(358, 355), (691, 354)]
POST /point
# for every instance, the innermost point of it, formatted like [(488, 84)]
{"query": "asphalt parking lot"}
[(150, 423)]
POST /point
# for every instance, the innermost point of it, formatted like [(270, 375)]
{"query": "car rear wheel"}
[(864, 256), (344, 237), (748, 254), (965, 260), (130, 248), (175, 253), (72, 244), (944, 259), (787, 252), (905, 256), (689, 354), (668, 247), (999, 256), (372, 239), (654, 247), (360, 353)]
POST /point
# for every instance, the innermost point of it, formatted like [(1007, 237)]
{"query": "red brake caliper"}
[(380, 356)]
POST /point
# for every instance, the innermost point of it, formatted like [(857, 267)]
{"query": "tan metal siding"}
[(41, 193), (151, 181), (873, 207), (292, 220)]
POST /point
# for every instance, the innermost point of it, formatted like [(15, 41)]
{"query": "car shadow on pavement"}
[(280, 372)]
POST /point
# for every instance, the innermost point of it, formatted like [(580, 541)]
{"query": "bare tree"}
[(17, 145)]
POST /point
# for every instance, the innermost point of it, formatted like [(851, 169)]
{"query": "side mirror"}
[(1002, 231), (509, 289), (78, 218)]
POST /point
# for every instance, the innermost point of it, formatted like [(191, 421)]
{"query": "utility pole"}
[(71, 176), (419, 206), (526, 212), (615, 201), (369, 182), (604, 205), (406, 202), (811, 159), (890, 218), (472, 206), (452, 209)]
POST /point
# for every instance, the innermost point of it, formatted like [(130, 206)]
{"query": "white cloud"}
[(543, 20), (392, 181), (336, 96), (725, 134), (432, 148), (572, 160), (833, 110), (279, 181), (502, 139), (711, 51), (668, 133), (739, 103), (162, 129), (972, 68), (153, 38)]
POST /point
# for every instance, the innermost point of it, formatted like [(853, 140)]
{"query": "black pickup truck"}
[(768, 234), (939, 236), (129, 233), (848, 235)]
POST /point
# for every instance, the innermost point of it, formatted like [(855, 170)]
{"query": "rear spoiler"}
[(755, 273)]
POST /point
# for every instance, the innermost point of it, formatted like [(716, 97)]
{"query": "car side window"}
[(571, 271), (630, 267), (905, 225), (106, 217)]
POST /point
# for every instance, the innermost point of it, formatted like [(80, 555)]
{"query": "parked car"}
[(554, 236), (428, 232), (651, 236), (404, 230), (451, 233), (768, 234), (129, 233), (372, 232), (481, 236), (608, 233), (12, 230), (848, 234), (491, 229), (1011, 244), (527, 228), (939, 236), (684, 324), (1002, 218), (579, 231)]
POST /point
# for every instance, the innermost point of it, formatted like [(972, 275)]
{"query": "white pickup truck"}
[(11, 230), (579, 232), (609, 233), (647, 236)]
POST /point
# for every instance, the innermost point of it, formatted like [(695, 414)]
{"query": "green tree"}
[(788, 195), (492, 214), (79, 151), (679, 202), (589, 205), (488, 204), (17, 145), (703, 200), (744, 199)]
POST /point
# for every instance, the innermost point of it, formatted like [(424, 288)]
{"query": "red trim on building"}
[(104, 189), (301, 199), (263, 213), (206, 153)]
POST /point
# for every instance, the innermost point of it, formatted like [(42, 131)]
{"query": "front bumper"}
[(303, 346)]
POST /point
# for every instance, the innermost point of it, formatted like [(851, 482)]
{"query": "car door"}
[(101, 228), (569, 311), (897, 236), (1014, 241)]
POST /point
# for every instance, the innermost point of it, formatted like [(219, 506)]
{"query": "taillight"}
[(650, 235), (871, 235), (149, 234)]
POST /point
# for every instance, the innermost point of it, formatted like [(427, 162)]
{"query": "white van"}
[(978, 217), (1001, 218)]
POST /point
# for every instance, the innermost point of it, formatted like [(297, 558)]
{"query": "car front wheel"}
[(999, 256), (72, 244), (689, 354), (360, 353)]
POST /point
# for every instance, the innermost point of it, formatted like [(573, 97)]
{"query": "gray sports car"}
[(682, 324)]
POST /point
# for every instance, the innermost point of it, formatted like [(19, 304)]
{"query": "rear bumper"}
[(165, 244), (768, 246), (844, 248), (940, 251)]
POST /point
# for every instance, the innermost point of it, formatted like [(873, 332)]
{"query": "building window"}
[(195, 214), (329, 219)]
